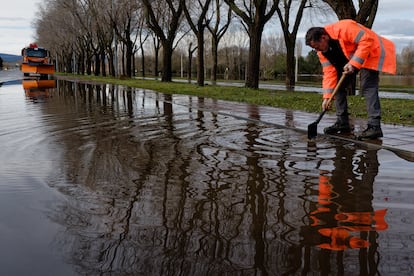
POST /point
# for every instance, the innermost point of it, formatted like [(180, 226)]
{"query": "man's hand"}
[(325, 105), (349, 69)]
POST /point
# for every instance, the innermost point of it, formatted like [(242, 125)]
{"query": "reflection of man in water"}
[(344, 213)]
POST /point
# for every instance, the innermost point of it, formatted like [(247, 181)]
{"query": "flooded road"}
[(106, 180)]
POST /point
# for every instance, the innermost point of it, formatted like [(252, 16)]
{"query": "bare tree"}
[(163, 18), (143, 35), (126, 23), (103, 31), (156, 42), (60, 30), (290, 35), (197, 22), (345, 9), (217, 31), (87, 15), (254, 14)]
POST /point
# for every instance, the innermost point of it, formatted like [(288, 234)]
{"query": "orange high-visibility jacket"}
[(362, 46)]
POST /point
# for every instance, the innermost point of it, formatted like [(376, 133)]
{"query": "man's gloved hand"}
[(325, 105), (349, 69)]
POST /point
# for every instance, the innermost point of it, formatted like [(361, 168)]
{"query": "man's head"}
[(318, 39)]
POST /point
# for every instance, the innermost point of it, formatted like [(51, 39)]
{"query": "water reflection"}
[(38, 89), (178, 195), (154, 187), (343, 217), (179, 192)]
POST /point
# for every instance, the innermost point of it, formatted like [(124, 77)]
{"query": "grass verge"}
[(394, 111)]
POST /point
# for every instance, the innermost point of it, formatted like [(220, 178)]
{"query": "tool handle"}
[(320, 116), (338, 85)]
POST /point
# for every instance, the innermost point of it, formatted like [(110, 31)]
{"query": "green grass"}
[(394, 111)]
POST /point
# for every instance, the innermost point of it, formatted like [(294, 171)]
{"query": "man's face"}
[(321, 45)]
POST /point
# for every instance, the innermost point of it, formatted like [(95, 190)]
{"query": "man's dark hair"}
[(314, 34)]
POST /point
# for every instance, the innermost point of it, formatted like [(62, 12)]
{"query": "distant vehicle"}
[(36, 61)]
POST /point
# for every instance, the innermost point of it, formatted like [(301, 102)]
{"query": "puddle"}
[(128, 181)]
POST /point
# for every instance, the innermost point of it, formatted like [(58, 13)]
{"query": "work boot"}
[(338, 127), (371, 132)]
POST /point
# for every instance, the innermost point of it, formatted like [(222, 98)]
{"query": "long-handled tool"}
[(313, 128)]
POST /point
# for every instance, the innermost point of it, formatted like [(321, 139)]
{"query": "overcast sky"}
[(394, 20), (16, 21)]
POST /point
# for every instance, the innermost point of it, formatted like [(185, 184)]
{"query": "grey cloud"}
[(399, 27)]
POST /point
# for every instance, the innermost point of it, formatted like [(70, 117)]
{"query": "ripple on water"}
[(167, 173), (16, 181)]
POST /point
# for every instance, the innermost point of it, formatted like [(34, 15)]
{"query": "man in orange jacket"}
[(348, 47)]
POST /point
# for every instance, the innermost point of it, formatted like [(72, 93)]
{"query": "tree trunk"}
[(129, 56), (143, 62), (97, 70), (343, 9), (69, 64), (156, 60), (290, 64), (103, 67), (190, 59), (175, 13), (88, 66), (133, 64), (253, 67), (200, 58), (111, 64), (167, 63), (367, 13), (123, 59), (214, 46)]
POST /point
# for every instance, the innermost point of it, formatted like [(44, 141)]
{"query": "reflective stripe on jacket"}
[(362, 46)]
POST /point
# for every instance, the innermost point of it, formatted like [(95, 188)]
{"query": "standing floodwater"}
[(105, 180)]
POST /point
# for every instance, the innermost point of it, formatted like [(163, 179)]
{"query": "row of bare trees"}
[(105, 36)]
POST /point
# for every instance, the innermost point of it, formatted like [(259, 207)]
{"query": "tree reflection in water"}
[(158, 188)]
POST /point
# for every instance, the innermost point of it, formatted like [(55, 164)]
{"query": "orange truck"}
[(36, 61)]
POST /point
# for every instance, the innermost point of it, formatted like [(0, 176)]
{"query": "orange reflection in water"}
[(38, 88), (347, 227)]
